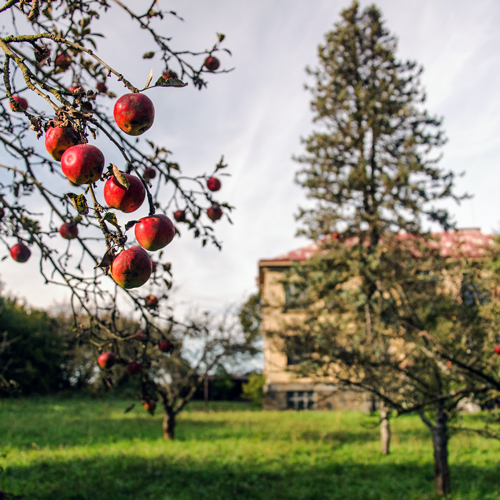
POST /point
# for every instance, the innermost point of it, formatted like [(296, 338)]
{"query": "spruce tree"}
[(385, 312)]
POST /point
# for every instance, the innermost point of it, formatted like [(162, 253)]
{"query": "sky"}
[(256, 115)]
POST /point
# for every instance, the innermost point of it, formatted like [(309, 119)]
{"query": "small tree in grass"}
[(381, 300), (54, 88), (180, 364)]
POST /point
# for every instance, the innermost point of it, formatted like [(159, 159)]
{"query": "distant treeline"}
[(40, 353)]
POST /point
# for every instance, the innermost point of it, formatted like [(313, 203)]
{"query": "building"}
[(283, 389)]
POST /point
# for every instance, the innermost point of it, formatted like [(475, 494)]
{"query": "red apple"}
[(134, 113), (497, 349), (82, 164), (149, 405), (63, 61), (141, 334), (154, 232), (121, 198), (151, 301), (68, 231), (134, 368), (23, 103), (212, 63), (131, 268), (20, 252), (168, 73), (165, 345), (101, 87), (180, 216), (213, 184), (149, 173), (214, 212), (106, 360), (59, 139)]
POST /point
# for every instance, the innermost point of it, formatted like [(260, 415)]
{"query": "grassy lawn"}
[(76, 449)]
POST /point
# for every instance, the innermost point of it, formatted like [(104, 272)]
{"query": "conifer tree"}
[(385, 311)]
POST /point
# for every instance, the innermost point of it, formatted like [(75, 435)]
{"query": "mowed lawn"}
[(76, 449)]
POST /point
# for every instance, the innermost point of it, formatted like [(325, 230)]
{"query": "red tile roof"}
[(470, 241)]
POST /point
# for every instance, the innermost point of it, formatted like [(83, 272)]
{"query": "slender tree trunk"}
[(168, 426), (385, 430), (440, 443), (205, 392)]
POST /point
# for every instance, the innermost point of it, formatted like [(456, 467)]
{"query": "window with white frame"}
[(300, 400)]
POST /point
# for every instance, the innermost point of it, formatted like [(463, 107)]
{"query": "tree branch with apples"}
[(53, 107)]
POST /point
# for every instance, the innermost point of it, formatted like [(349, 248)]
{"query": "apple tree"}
[(64, 204), (386, 308)]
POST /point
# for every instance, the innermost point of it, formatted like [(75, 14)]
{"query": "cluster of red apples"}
[(83, 164)]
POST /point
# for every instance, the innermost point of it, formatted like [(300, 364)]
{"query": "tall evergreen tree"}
[(385, 312)]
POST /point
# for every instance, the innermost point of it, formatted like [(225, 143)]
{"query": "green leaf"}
[(120, 177), (171, 82), (148, 55), (111, 218), (79, 203)]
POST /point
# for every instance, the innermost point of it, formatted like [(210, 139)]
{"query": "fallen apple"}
[(131, 268), (82, 164)]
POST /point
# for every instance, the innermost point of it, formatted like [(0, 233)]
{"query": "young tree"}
[(381, 300), (55, 86), (180, 361)]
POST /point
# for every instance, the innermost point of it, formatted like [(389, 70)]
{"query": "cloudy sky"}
[(256, 115)]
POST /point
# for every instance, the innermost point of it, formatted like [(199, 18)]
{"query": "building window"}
[(300, 400)]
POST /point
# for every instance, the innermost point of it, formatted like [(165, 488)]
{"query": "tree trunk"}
[(440, 443), (385, 430), (168, 426)]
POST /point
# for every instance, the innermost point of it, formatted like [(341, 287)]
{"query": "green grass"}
[(78, 449)]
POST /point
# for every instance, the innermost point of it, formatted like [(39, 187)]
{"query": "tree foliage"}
[(389, 308), (50, 57), (31, 350)]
